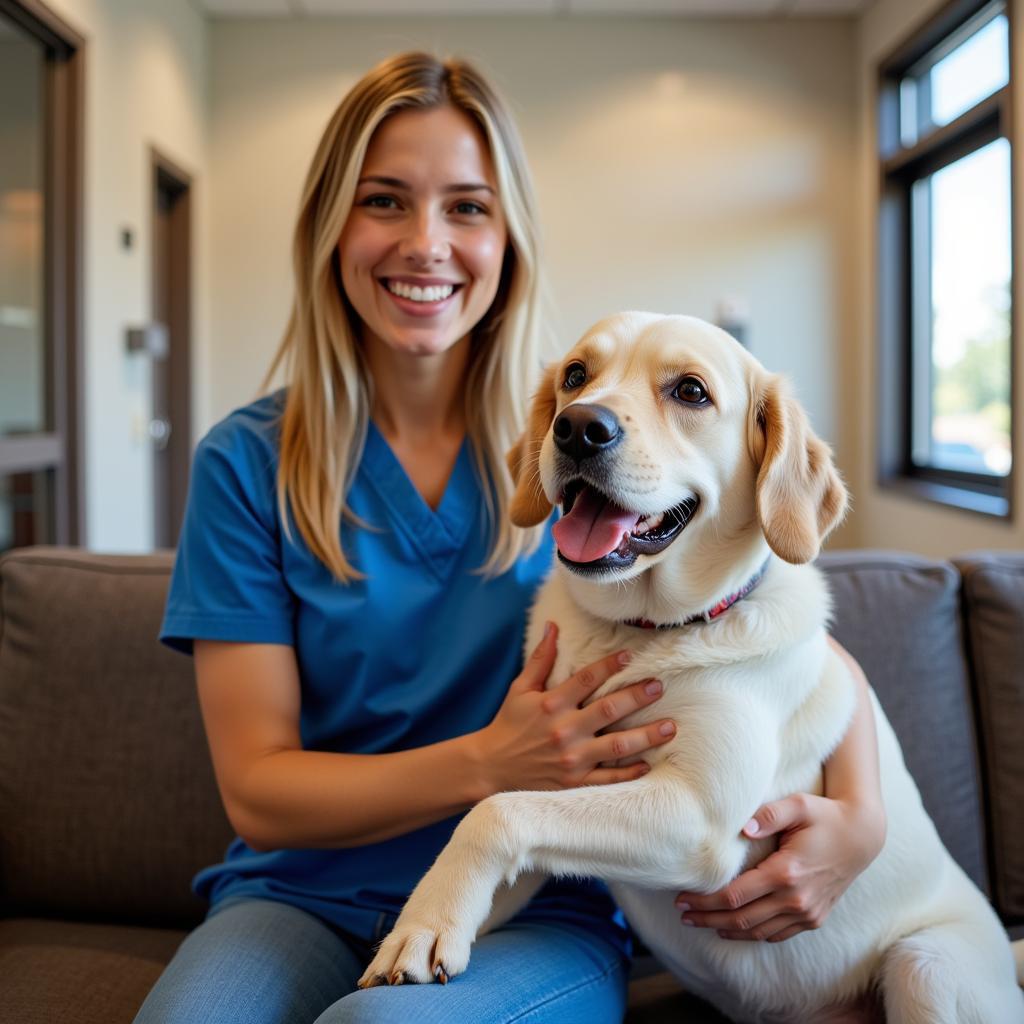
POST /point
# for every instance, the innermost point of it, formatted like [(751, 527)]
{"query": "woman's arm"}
[(826, 842), (278, 795)]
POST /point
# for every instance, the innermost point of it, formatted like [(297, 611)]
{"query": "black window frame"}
[(899, 166)]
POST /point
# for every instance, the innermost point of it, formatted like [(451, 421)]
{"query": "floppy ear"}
[(800, 496), (530, 505)]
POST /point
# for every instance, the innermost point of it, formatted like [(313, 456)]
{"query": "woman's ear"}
[(800, 495), (530, 505)]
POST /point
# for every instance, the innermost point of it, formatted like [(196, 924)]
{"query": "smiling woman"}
[(355, 595)]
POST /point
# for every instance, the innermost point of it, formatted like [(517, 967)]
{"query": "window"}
[(945, 285)]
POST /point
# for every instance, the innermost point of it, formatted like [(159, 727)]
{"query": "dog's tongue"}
[(593, 528)]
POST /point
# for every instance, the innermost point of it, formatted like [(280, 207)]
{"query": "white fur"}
[(760, 700)]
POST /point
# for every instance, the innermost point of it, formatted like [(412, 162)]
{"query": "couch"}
[(108, 803)]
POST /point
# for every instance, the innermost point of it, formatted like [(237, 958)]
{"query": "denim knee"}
[(253, 962)]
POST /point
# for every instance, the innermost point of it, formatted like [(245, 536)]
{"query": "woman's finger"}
[(603, 713), (540, 662), (750, 915), (779, 815), (606, 776), (613, 746), (580, 685), (770, 931), (751, 885), (792, 930)]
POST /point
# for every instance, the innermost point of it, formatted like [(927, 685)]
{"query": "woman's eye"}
[(575, 376), (379, 202), (466, 206), (691, 391)]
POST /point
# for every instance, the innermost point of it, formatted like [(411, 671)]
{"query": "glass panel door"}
[(23, 348)]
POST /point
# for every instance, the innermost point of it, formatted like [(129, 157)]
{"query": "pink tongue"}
[(593, 528)]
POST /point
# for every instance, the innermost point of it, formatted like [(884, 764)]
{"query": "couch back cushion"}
[(993, 592), (899, 616), (108, 804)]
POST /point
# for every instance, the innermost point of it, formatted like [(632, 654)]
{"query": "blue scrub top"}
[(421, 650)]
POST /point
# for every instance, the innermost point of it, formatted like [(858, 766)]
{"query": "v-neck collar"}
[(438, 534)]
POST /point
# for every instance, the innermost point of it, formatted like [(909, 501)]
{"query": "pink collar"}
[(711, 613)]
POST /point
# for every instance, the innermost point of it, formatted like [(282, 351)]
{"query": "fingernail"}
[(687, 921), (683, 906), (667, 728), (643, 771), (625, 657), (752, 827), (547, 629), (653, 687)]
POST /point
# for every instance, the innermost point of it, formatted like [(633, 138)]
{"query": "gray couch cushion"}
[(993, 591), (108, 803), (899, 616), (77, 972)]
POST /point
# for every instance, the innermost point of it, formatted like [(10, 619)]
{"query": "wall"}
[(146, 85), (678, 162)]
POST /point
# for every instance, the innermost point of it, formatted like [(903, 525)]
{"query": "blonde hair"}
[(324, 423)]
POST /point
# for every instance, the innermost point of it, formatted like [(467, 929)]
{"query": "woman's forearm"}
[(314, 799), (851, 773)]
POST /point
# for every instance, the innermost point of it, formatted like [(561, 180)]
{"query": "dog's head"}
[(662, 436)]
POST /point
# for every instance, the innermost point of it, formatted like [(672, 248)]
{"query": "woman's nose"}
[(425, 242)]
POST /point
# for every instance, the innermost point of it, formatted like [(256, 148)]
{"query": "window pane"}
[(26, 509), (969, 359), (22, 344), (975, 69)]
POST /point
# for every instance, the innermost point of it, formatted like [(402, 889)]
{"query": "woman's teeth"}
[(432, 293)]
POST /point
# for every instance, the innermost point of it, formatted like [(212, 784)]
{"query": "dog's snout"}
[(585, 430)]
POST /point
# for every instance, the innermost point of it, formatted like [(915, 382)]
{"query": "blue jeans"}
[(258, 961)]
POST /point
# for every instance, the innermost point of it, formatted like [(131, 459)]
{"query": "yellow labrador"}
[(694, 494)]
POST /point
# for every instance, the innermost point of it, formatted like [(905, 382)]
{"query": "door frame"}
[(61, 446), (166, 174)]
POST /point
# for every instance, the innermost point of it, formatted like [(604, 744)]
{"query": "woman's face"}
[(422, 249)]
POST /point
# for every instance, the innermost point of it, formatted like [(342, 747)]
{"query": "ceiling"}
[(682, 8)]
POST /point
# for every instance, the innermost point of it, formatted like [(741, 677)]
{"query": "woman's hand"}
[(825, 845), (544, 739)]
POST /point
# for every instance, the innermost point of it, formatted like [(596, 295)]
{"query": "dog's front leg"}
[(432, 937), (651, 831)]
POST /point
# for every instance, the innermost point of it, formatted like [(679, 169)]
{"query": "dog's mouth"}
[(596, 535)]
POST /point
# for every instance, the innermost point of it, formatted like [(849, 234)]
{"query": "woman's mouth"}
[(419, 300)]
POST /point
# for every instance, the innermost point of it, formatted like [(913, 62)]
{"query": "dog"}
[(694, 494)]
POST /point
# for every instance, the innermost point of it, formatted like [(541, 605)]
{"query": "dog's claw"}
[(398, 978), (440, 974), (374, 981)]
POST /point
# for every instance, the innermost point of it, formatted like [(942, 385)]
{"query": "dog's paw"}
[(413, 954)]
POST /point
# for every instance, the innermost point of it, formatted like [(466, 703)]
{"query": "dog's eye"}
[(575, 376), (691, 391)]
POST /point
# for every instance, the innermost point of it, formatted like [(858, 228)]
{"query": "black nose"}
[(585, 430)]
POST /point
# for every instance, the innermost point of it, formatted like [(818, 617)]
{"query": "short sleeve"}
[(228, 583)]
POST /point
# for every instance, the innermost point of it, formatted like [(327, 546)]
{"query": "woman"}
[(355, 683)]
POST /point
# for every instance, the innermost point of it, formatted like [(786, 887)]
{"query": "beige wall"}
[(883, 518), (678, 162), (146, 75)]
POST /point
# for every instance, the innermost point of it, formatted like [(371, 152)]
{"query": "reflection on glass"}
[(22, 344), (26, 509), (975, 69), (970, 306)]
